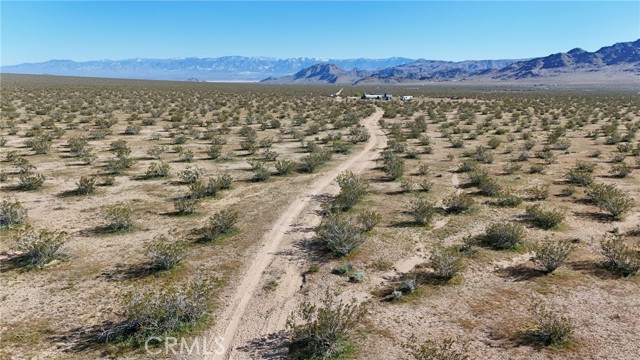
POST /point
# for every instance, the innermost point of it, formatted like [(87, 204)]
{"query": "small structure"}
[(406, 98), (384, 96)]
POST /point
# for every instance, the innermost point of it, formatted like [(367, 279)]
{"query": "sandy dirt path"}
[(253, 314)]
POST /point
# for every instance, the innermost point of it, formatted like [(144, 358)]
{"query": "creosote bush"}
[(339, 235), (619, 257), (551, 328), (165, 251), (502, 236), (550, 254), (447, 349), (458, 203), (86, 185), (393, 165), (610, 198), (220, 223), (322, 331), (368, 219), (423, 211), (40, 247), (445, 262), (158, 170), (30, 181), (190, 174), (352, 189), (285, 167), (152, 311), (12, 213), (119, 217), (544, 218), (186, 205)]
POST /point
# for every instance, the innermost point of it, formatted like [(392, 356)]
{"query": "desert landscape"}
[(467, 223)]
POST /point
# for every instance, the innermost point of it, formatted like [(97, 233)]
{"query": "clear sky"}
[(83, 30)]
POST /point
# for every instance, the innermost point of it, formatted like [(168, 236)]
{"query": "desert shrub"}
[(483, 155), (352, 189), (445, 262), (224, 181), (119, 217), (313, 161), (220, 223), (511, 168), (393, 165), (322, 332), (506, 199), (117, 165), (339, 235), (494, 142), (165, 252), (536, 169), (423, 211), (30, 181), (158, 170), (190, 174), (538, 192), (40, 247), (133, 129), (408, 285), (504, 235), (368, 219), (544, 218), (407, 185), (425, 184), (86, 185), (12, 213), (260, 171), (457, 143), (581, 174), (161, 311), (458, 203), (620, 170), (619, 257), (186, 205), (610, 199), (214, 151), (40, 144), (156, 152), (467, 165), (550, 254), (447, 349), (284, 167), (551, 328), (489, 186)]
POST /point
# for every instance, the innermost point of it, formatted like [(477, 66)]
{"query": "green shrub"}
[(423, 211), (284, 167), (339, 235), (158, 170), (506, 199), (86, 185), (538, 192), (190, 174), (620, 170), (551, 254), (504, 235), (220, 223), (165, 252), (224, 181), (12, 213), (352, 189), (260, 171), (393, 165), (119, 217), (186, 205), (425, 184), (619, 257), (458, 203), (40, 247), (30, 181), (431, 350), (611, 199), (581, 174), (543, 218), (551, 328), (161, 311), (323, 331), (445, 262), (368, 219)]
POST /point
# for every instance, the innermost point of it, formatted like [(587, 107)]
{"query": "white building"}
[(406, 98)]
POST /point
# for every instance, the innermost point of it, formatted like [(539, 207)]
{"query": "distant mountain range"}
[(617, 63), (237, 68)]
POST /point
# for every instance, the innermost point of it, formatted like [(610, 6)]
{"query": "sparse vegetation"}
[(38, 247)]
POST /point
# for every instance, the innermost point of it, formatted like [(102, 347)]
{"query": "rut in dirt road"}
[(246, 319)]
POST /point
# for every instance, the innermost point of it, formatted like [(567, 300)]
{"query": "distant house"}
[(384, 96), (406, 98)]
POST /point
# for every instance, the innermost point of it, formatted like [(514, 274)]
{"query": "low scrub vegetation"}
[(12, 213), (550, 254), (544, 218), (352, 189), (620, 258), (610, 199), (339, 235), (38, 247), (219, 224), (504, 235)]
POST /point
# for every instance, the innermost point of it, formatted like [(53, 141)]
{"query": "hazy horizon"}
[(35, 32)]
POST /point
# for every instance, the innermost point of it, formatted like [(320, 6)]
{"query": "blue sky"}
[(453, 30)]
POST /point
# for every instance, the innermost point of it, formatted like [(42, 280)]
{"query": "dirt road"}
[(265, 295)]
